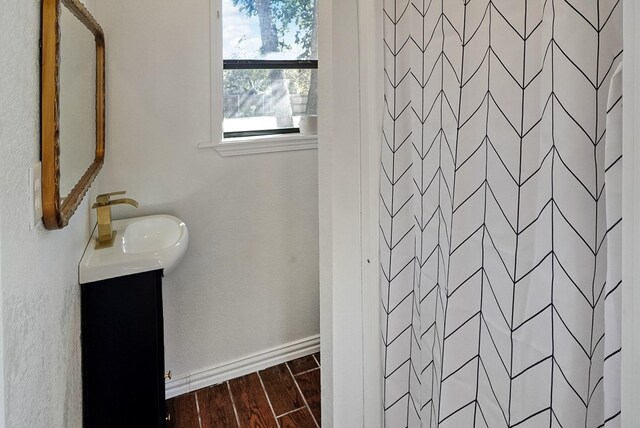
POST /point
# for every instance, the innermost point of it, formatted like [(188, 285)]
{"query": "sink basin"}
[(151, 234), (142, 244)]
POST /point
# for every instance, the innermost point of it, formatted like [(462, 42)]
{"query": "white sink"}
[(142, 244)]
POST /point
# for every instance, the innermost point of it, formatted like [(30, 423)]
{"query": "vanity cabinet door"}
[(123, 352)]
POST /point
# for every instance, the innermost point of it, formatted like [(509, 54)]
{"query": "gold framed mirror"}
[(72, 107)]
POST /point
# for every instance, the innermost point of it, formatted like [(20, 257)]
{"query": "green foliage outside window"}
[(276, 93)]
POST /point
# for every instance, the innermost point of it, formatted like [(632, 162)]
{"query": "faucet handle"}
[(103, 199)]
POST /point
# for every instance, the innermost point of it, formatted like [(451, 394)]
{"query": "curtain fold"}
[(501, 213)]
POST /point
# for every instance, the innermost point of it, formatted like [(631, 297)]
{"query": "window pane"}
[(269, 29), (268, 99)]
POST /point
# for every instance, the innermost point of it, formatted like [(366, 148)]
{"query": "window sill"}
[(263, 144)]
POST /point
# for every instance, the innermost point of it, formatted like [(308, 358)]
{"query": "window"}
[(270, 66)]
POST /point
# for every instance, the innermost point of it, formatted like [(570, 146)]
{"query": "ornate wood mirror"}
[(72, 107)]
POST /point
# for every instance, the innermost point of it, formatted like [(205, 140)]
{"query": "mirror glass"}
[(72, 107), (77, 100)]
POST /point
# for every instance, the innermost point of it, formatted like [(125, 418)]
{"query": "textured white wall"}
[(40, 294), (249, 280)]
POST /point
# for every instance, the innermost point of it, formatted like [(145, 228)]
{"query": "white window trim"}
[(243, 145), (263, 144)]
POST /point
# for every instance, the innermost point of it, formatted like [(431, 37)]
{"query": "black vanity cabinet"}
[(123, 352)]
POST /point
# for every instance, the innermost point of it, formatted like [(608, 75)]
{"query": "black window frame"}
[(261, 64)]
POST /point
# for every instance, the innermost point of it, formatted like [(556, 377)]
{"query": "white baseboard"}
[(249, 364)]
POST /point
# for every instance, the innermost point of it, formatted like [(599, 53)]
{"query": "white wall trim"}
[(2, 344), (215, 74), (631, 216), (370, 26), (263, 144), (341, 228), (243, 366)]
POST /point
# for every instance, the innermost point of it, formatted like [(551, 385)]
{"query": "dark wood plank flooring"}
[(183, 411), (309, 383), (216, 407), (299, 418), (281, 389), (283, 396)]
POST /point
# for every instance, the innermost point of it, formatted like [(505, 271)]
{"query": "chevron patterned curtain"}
[(501, 213)]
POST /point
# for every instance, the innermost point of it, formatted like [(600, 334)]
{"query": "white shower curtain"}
[(501, 213)]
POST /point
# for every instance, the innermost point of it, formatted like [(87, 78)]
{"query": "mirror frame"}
[(56, 214)]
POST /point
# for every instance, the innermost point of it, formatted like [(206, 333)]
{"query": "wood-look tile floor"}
[(283, 396)]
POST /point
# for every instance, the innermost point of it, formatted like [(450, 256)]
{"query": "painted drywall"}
[(249, 280), (38, 268)]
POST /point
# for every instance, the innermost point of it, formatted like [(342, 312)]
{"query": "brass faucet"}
[(106, 234)]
